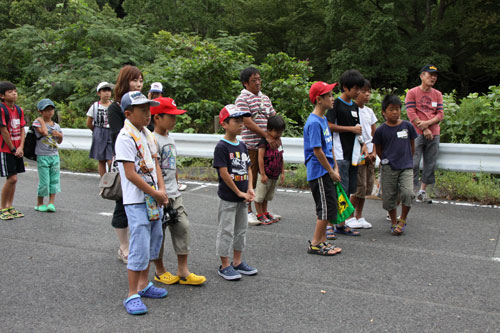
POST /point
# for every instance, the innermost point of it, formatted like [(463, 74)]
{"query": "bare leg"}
[(237, 258), (359, 207), (102, 168), (224, 262), (160, 268), (39, 201), (52, 198), (404, 212), (259, 208), (123, 239), (8, 191), (392, 215), (133, 282), (182, 267)]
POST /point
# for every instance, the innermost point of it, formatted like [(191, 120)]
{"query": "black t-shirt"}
[(235, 158), (116, 119), (344, 114)]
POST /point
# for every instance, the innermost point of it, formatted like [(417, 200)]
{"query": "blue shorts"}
[(146, 237)]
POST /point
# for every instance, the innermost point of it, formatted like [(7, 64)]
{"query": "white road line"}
[(204, 184), (106, 214), (197, 188)]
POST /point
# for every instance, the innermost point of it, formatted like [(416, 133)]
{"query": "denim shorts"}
[(146, 237)]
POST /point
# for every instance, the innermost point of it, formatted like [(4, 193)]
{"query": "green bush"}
[(477, 187), (77, 160)]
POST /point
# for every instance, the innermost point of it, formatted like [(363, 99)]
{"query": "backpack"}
[(30, 144), (7, 116)]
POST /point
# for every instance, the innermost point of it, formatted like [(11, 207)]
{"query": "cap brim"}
[(328, 88), (156, 90), (145, 101), (240, 114)]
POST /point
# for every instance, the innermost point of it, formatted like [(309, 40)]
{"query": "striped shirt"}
[(261, 109), (425, 105)]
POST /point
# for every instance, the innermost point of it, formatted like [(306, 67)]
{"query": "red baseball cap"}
[(232, 111), (167, 105), (319, 88)]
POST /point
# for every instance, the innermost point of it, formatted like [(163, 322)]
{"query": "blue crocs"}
[(153, 292), (244, 269), (134, 305)]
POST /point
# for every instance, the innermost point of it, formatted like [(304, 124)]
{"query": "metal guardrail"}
[(452, 156)]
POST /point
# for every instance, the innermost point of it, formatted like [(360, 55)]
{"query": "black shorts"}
[(119, 220), (324, 193), (10, 165)]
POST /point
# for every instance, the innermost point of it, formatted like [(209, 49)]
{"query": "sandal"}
[(398, 229), (193, 279), (330, 233), (122, 257), (134, 305), (153, 292), (5, 215), (15, 213), (323, 249), (345, 230), (167, 278)]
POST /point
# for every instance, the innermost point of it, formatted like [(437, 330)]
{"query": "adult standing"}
[(424, 107), (252, 100), (129, 79)]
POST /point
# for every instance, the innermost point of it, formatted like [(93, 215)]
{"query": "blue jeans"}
[(146, 237)]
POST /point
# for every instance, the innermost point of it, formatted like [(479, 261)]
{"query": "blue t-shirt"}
[(396, 144), (317, 134), (233, 156)]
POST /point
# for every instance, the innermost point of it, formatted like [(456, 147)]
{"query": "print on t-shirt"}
[(167, 156), (239, 167)]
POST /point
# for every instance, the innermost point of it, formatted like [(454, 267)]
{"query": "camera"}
[(169, 215)]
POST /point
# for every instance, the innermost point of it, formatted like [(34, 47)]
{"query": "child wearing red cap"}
[(322, 168), (164, 118)]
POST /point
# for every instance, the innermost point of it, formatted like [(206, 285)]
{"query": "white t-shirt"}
[(167, 155), (126, 151), (99, 113), (367, 118)]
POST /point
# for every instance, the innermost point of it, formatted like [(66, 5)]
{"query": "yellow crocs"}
[(167, 278), (193, 279)]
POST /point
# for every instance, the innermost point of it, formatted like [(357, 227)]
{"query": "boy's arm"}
[(320, 155), (90, 123), (252, 126), (129, 168), (262, 169), (226, 177), (43, 127), (159, 176), (340, 129), (378, 149), (283, 172), (6, 138), (20, 150)]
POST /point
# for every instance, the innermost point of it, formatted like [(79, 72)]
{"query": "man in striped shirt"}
[(252, 100), (424, 107)]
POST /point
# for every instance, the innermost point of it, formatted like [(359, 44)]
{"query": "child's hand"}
[(161, 198), (335, 175), (357, 129), (19, 152), (40, 120), (251, 192), (282, 178), (372, 157), (57, 134), (263, 178)]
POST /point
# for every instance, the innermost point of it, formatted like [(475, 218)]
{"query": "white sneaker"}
[(252, 219), (182, 187), (353, 223), (365, 224), (422, 197)]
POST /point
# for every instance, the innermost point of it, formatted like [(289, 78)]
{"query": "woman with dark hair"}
[(130, 78)]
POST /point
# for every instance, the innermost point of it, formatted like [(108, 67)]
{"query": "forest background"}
[(61, 49)]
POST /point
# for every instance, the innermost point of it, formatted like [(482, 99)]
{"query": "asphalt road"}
[(59, 271)]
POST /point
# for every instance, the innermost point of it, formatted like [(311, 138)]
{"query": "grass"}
[(450, 185)]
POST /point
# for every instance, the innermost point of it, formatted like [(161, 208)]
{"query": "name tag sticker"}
[(354, 114), (280, 148), (434, 104), (402, 134)]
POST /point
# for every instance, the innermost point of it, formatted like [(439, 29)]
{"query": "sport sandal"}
[(399, 228), (15, 213), (330, 233), (323, 249), (5, 215), (345, 230)]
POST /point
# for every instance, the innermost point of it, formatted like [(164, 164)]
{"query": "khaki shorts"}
[(394, 183), (179, 232), (265, 191), (366, 178)]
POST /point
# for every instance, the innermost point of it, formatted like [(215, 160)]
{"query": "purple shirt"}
[(396, 144)]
